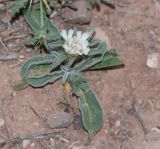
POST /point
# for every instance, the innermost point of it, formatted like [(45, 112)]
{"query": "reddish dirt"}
[(129, 95)]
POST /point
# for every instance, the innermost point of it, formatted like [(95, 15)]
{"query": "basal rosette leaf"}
[(40, 70), (17, 7), (91, 111), (93, 42), (34, 62), (21, 85), (89, 106), (95, 56), (110, 59), (43, 64), (98, 2), (42, 80), (94, 2), (46, 31)]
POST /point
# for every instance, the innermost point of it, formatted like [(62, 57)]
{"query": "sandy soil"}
[(129, 96)]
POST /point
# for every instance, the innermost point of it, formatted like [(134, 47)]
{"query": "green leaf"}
[(22, 85), (42, 80), (94, 42), (46, 31), (94, 2), (38, 71), (36, 60), (98, 2), (17, 7), (90, 108), (61, 56), (91, 111), (95, 56), (109, 60)]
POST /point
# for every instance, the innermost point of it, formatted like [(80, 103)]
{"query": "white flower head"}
[(76, 44)]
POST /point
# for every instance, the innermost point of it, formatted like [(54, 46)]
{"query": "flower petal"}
[(64, 34), (70, 33), (86, 51), (86, 35), (79, 34)]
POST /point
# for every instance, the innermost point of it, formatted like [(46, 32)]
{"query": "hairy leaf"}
[(21, 85), (90, 109), (45, 33), (42, 80), (18, 6), (95, 56), (94, 2), (39, 70), (98, 2), (109, 60), (36, 60)]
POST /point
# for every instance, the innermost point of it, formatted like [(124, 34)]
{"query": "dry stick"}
[(134, 111), (122, 145), (32, 137), (3, 116), (138, 117), (8, 56), (15, 37), (45, 146), (43, 120), (8, 33), (5, 48)]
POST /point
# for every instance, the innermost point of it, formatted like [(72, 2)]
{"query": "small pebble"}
[(153, 61), (21, 57), (14, 94), (26, 143), (52, 142), (117, 124), (32, 145), (1, 122), (29, 50), (82, 16)]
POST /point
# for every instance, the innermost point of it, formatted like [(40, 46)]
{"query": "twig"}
[(33, 137), (3, 115), (138, 117), (43, 120), (14, 37), (133, 109), (8, 33), (45, 146), (5, 48), (8, 57), (122, 145)]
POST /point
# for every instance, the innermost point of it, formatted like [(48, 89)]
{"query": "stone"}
[(82, 16), (1, 122), (26, 143), (153, 60), (52, 142), (21, 56), (32, 145), (60, 120)]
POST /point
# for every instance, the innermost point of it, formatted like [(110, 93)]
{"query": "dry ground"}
[(129, 96)]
